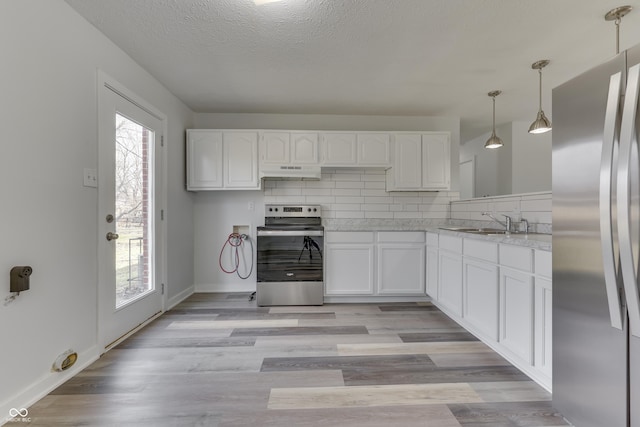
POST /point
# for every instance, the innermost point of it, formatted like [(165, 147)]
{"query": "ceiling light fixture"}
[(494, 141), (616, 15), (541, 124)]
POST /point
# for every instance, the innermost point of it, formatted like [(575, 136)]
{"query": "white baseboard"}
[(225, 287), (46, 385), (177, 299), (371, 299)]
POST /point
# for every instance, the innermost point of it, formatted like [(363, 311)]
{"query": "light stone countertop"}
[(531, 240)]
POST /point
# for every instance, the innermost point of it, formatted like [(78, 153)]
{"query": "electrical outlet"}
[(90, 178), (251, 205)]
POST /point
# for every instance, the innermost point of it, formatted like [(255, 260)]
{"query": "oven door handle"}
[(290, 233)]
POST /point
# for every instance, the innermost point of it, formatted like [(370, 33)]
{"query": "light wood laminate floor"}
[(219, 360)]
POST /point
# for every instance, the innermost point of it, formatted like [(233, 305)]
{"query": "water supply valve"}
[(20, 278)]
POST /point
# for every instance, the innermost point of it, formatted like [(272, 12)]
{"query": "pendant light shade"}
[(541, 124), (494, 141)]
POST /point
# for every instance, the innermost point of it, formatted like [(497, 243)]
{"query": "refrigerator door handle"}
[(611, 278), (627, 139)]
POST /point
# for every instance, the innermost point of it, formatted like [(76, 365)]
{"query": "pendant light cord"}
[(494, 114), (617, 22), (540, 90)]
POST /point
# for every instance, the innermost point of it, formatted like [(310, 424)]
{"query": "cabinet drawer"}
[(432, 239), (451, 243), (482, 250), (516, 257), (542, 262), (348, 237), (401, 237)]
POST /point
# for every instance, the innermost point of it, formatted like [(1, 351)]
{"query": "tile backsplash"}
[(359, 194), (534, 207)]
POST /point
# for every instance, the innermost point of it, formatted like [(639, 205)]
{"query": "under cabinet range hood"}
[(290, 171)]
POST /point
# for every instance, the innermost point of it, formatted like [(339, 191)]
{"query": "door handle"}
[(611, 277), (112, 236), (627, 136)]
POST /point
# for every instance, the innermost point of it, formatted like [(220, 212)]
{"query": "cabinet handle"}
[(611, 278), (627, 136)]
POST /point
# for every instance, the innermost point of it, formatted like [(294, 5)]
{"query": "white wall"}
[(48, 220), (486, 177), (531, 160), (522, 165), (217, 212)]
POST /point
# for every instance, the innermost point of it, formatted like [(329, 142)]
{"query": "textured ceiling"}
[(386, 57)]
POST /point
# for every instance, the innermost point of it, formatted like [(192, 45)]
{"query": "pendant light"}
[(494, 141), (616, 16), (541, 124)]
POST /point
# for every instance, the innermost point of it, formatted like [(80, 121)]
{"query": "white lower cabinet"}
[(542, 327), (401, 257), (374, 263), (481, 297), (501, 293), (349, 263), (432, 272), (450, 274), (516, 313)]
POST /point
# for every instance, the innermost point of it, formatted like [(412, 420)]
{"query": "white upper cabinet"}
[(421, 162), (407, 166), (204, 160), (240, 153), (284, 148), (339, 149), (275, 148), (373, 149), (222, 160), (436, 161), (304, 148)]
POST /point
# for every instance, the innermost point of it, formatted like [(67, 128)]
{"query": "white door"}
[(129, 206)]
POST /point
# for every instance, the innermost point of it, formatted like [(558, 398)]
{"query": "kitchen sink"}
[(484, 231)]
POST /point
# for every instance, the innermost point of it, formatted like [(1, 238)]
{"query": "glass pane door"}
[(133, 203)]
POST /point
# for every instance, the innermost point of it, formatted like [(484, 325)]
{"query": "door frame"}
[(104, 81)]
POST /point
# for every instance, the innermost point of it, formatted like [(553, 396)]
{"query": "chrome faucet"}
[(506, 224)]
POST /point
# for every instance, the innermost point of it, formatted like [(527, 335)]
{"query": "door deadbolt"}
[(112, 236), (109, 218)]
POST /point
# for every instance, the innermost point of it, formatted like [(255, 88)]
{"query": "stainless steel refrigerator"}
[(596, 235)]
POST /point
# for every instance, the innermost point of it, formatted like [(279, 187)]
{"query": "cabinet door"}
[(348, 269), (204, 159), (304, 148), (274, 148), (516, 313), (373, 149), (339, 149), (436, 161), (450, 283), (481, 297), (432, 273), (543, 326), (241, 160), (400, 269), (407, 164)]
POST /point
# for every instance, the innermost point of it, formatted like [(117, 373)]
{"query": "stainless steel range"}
[(290, 259)]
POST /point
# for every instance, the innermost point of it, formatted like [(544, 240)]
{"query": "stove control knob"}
[(276, 209), (315, 209), (308, 209), (270, 209)]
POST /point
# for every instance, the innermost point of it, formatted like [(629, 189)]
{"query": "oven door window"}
[(290, 258)]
